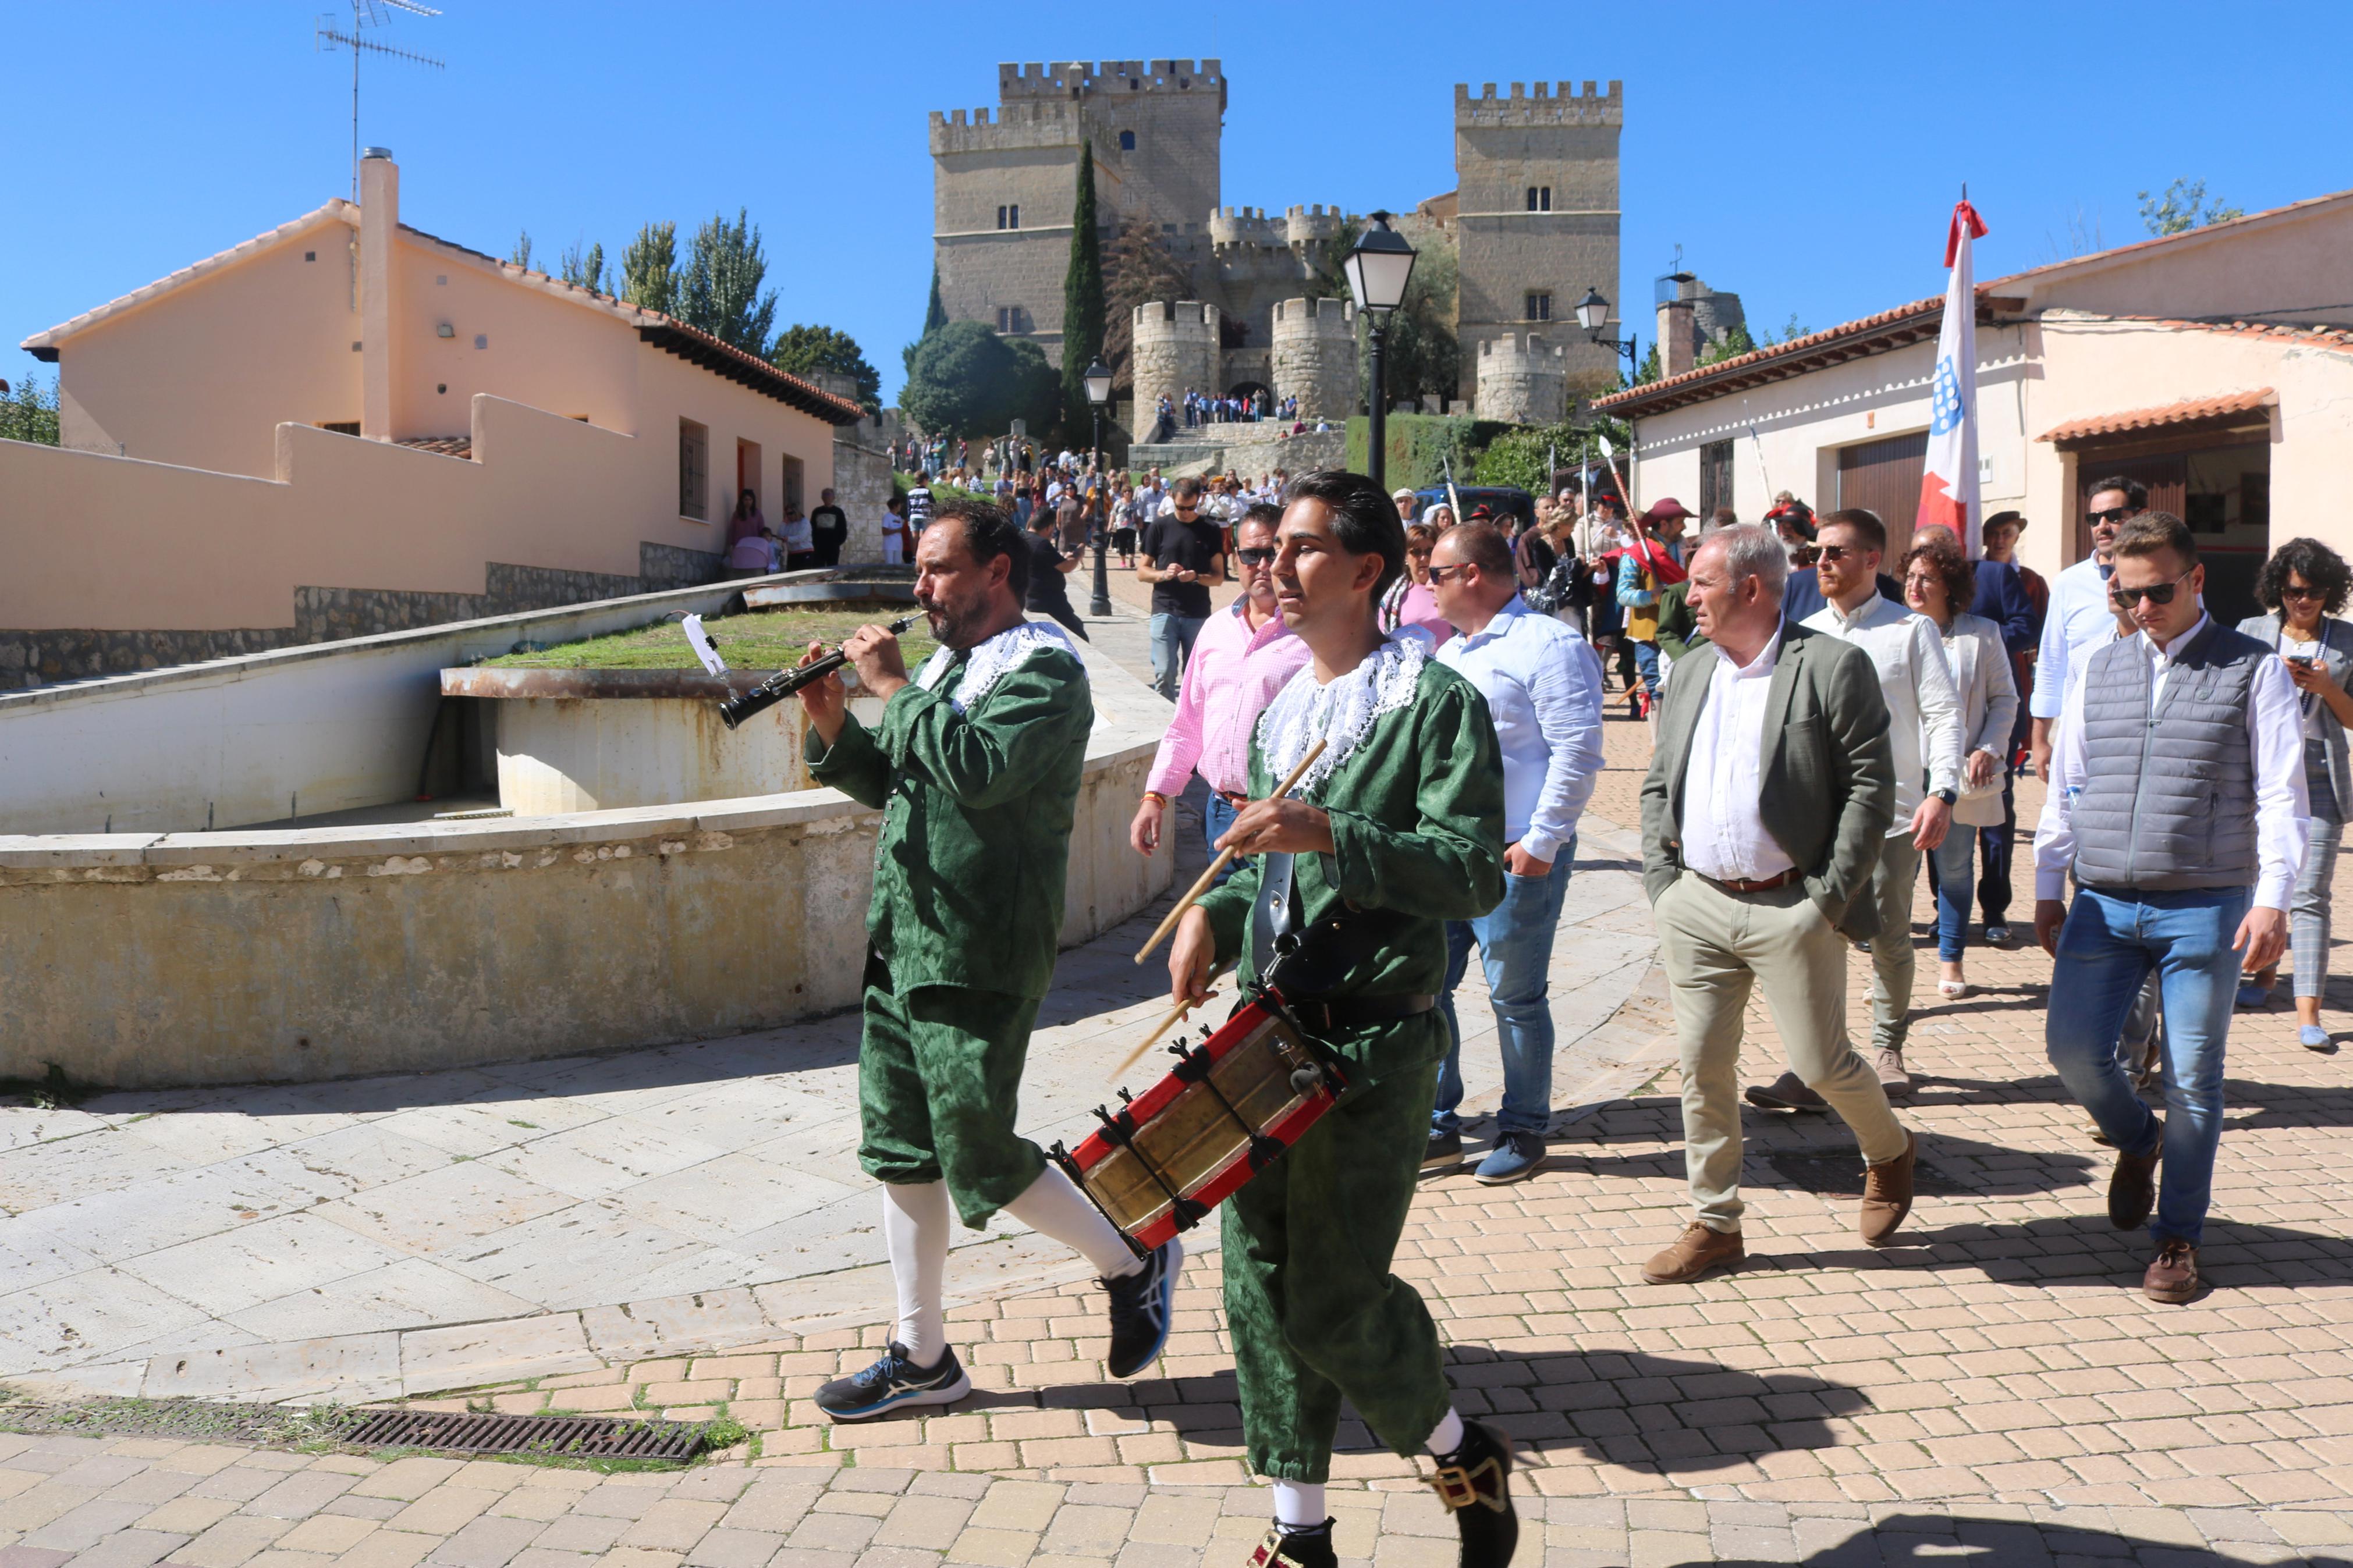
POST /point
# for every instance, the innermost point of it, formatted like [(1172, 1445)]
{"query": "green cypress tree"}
[(1083, 301), (649, 268), (936, 314)]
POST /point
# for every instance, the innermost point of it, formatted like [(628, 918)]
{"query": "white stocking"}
[(1447, 1436), (915, 1231), (1300, 1504), (1054, 1206)]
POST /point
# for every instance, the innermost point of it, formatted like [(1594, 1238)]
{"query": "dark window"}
[(1127, 140), (1544, 198), (1013, 219), (1532, 198), (1000, 217), (1715, 477), (1539, 307), (342, 427), (1884, 477), (693, 468), (310, 255)]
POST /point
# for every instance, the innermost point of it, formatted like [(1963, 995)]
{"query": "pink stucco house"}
[(346, 425)]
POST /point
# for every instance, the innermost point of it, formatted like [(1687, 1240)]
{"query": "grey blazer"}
[(2337, 655), (1828, 778)]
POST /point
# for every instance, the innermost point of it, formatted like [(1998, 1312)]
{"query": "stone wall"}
[(1175, 350), (1315, 356), (1522, 380)]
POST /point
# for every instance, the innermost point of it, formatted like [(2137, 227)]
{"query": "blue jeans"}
[(1646, 660), (2110, 942), (1514, 941), (1950, 878), (1172, 645), (1217, 816)]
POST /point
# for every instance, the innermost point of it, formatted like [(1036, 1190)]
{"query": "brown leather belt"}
[(1232, 797), (1753, 885)]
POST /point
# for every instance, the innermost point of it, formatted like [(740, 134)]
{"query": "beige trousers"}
[(1716, 945)]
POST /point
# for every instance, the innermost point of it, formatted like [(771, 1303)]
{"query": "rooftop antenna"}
[(327, 36)]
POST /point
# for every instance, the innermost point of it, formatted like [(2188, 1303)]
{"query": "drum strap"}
[(1276, 914)]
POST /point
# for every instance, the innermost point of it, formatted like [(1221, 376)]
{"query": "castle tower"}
[(1003, 181), (1315, 356), (1537, 222), (1525, 381), (1175, 350)]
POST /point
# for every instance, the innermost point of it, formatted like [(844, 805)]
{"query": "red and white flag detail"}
[(1948, 489)]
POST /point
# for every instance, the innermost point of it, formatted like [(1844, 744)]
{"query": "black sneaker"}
[(1444, 1154), (1997, 934), (1140, 1309), (1300, 1547), (1474, 1482), (892, 1382)]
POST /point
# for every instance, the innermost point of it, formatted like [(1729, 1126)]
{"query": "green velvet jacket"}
[(977, 814), (1417, 837)]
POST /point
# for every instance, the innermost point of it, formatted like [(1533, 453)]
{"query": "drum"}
[(1233, 1104)]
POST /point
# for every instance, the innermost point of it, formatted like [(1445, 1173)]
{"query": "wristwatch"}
[(1947, 796)]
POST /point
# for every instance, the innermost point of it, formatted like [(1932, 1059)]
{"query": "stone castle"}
[(1533, 223)]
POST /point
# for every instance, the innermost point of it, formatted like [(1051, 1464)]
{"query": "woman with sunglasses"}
[(1410, 600), (1937, 583), (2303, 585)]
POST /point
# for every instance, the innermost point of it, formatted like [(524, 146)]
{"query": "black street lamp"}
[(1593, 315), (1098, 380), (1378, 269)]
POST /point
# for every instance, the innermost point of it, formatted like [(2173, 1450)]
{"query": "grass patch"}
[(760, 640)]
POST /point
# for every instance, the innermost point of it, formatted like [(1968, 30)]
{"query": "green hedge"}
[(1418, 443)]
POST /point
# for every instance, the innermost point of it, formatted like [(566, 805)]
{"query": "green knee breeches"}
[(939, 1082), (1315, 1314)]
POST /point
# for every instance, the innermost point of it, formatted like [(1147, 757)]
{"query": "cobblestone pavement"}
[(1994, 1387)]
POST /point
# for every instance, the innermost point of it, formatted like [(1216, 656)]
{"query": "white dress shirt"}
[(2081, 621), (2274, 742), (1723, 832), (1923, 711), (1543, 687)]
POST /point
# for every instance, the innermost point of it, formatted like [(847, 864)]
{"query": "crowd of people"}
[(1824, 721)]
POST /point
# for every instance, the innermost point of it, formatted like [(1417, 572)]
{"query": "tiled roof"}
[(446, 445), (2197, 411)]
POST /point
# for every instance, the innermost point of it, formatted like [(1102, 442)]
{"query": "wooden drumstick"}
[(1176, 1014), (1225, 858)]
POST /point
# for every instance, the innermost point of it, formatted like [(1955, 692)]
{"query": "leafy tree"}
[(2176, 211), (586, 272), (719, 290), (29, 412), (1650, 368), (521, 256), (1137, 268), (1082, 298), (1790, 333), (935, 313), (1732, 345), (649, 278), (803, 350), (1423, 358), (964, 379)]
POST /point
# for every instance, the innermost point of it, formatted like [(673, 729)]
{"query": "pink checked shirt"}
[(1233, 674)]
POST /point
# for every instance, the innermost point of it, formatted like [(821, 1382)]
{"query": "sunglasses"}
[(2114, 514), (1255, 557), (1841, 552), (1438, 574), (2162, 593), (2294, 593)]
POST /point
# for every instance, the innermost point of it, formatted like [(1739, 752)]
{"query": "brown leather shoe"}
[(1887, 1062), (1696, 1252), (2131, 1190), (2172, 1278), (1887, 1193), (1788, 1092)]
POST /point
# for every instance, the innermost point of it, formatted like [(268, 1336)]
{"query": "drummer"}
[(1397, 827), (974, 766)]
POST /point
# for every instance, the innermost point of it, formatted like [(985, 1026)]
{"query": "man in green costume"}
[(1394, 829), (975, 767)]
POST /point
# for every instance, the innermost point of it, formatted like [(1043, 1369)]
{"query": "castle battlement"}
[(1548, 103), (1535, 354), (1166, 318), (1044, 123), (1320, 315), (1075, 78)]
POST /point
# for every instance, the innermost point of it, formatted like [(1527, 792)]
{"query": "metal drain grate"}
[(1841, 1175), (568, 1436)]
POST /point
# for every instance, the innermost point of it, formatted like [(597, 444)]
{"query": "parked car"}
[(1498, 500)]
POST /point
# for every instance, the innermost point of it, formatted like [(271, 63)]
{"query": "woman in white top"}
[(1935, 580)]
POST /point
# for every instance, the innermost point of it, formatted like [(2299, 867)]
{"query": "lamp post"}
[(1098, 380), (1593, 315), (1378, 269)]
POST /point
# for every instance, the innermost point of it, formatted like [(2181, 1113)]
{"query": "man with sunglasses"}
[(2080, 621), (2177, 801), (1184, 558), (1244, 655)]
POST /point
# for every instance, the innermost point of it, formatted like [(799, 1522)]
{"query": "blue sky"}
[(1804, 156)]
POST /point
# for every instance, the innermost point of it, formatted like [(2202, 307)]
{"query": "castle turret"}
[(1315, 356), (1522, 381), (1175, 351)]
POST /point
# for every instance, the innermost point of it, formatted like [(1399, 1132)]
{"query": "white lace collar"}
[(1340, 713), (992, 657)]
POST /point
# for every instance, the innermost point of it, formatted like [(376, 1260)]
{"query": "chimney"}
[(379, 220), (1677, 328)]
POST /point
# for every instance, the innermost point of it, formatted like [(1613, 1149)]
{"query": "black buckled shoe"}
[(892, 1382), (1285, 1547), (1140, 1305), (1474, 1482)]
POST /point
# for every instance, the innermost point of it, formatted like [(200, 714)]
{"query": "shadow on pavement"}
[(1935, 1538)]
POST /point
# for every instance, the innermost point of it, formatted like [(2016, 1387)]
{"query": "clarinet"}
[(785, 682)]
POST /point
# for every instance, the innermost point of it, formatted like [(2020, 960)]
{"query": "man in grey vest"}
[(2176, 798)]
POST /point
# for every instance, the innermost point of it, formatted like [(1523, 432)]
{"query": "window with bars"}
[(693, 470), (1539, 307), (1539, 198)]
